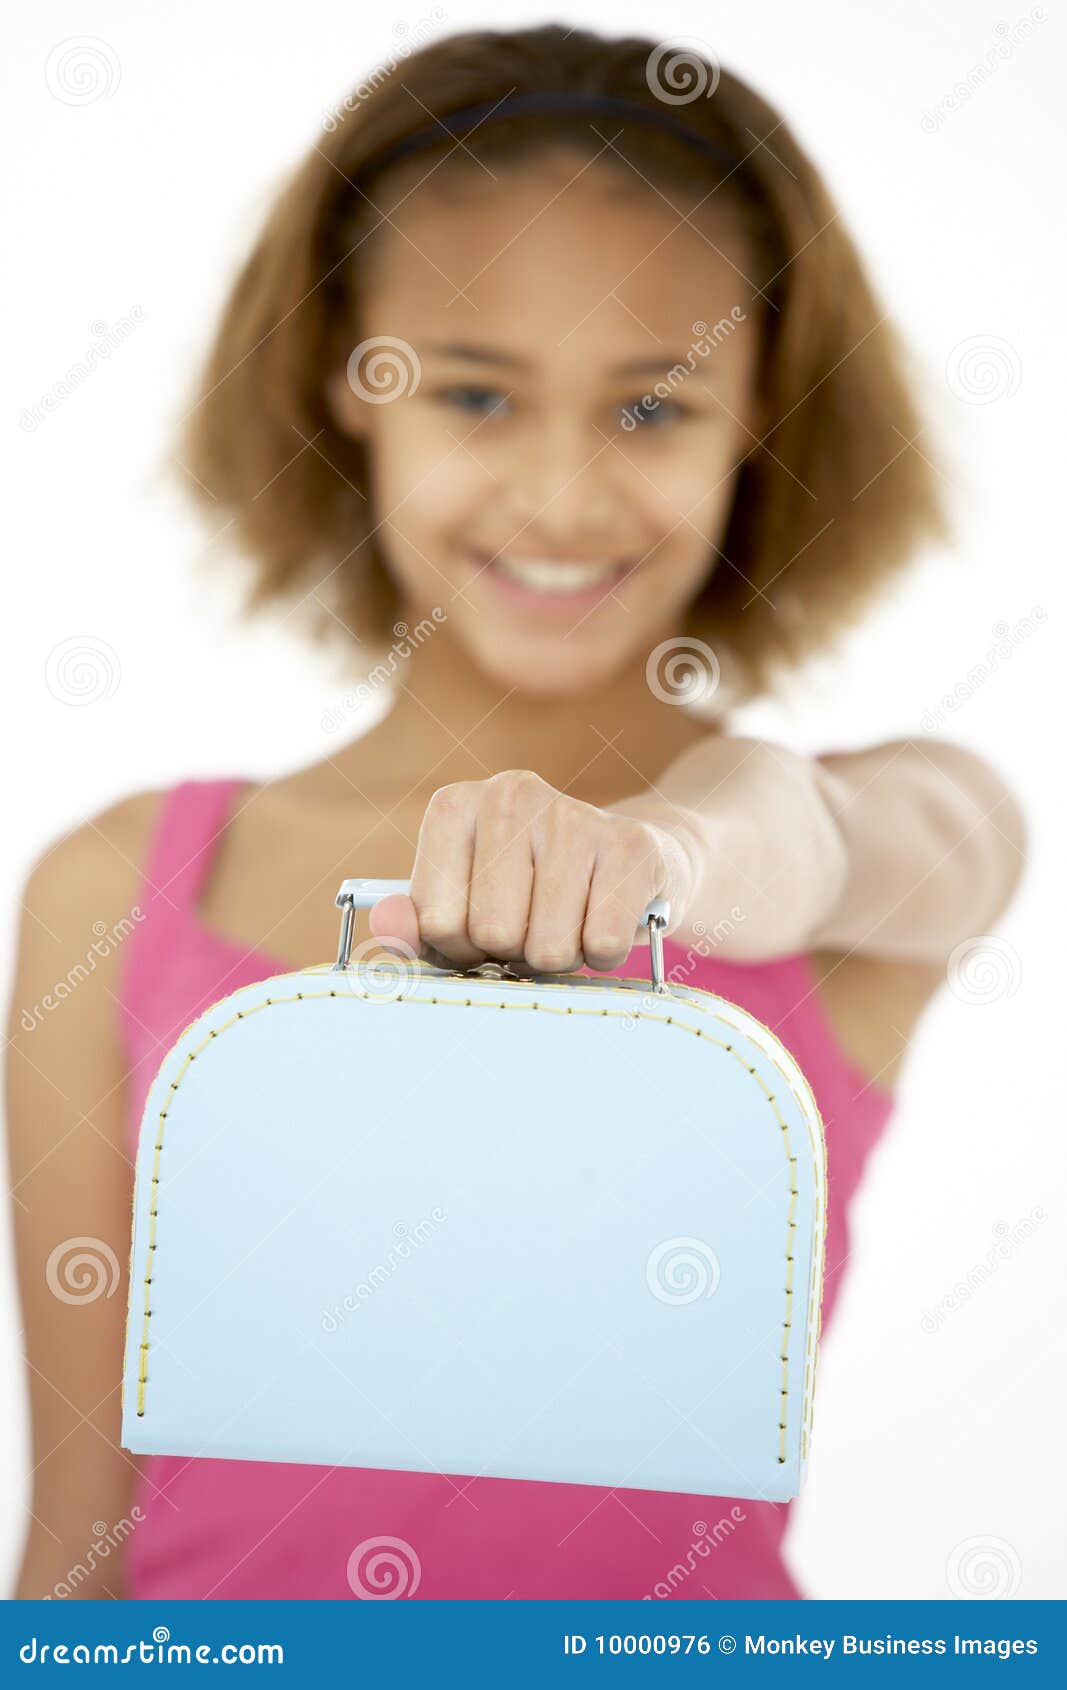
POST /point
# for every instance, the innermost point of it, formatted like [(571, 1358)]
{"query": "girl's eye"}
[(638, 415), (491, 401), (481, 401)]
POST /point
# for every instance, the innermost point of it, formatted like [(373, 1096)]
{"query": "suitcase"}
[(561, 1228)]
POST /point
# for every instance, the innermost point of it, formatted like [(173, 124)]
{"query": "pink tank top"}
[(253, 1529)]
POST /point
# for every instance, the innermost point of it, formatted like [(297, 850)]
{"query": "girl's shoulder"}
[(77, 902), (96, 866), (874, 1005)]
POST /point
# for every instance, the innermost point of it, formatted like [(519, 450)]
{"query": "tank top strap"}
[(189, 825)]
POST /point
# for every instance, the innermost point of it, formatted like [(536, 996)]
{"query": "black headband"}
[(549, 100)]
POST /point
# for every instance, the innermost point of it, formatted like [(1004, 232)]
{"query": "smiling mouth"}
[(555, 576)]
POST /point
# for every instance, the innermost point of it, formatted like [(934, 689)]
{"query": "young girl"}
[(554, 385)]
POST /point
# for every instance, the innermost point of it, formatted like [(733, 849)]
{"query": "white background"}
[(143, 200)]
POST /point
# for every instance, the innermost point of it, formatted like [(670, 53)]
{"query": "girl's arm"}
[(874, 863), (897, 853), (71, 1181), (900, 851)]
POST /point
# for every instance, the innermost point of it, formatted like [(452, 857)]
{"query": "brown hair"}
[(828, 506)]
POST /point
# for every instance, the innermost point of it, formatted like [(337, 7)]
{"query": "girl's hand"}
[(511, 869)]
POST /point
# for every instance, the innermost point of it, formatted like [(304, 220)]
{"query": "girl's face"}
[(556, 389)]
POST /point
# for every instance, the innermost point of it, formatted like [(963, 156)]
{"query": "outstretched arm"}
[(899, 851)]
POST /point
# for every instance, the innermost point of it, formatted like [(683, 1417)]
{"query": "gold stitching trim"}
[(468, 1003)]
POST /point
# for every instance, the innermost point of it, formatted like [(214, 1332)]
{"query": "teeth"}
[(548, 576)]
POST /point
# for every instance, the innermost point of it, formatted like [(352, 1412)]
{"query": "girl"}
[(553, 384)]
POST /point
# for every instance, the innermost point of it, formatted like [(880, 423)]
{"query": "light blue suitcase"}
[(550, 1227)]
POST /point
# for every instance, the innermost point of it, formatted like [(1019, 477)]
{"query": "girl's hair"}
[(829, 504)]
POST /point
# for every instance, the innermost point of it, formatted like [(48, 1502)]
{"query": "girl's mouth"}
[(541, 583)]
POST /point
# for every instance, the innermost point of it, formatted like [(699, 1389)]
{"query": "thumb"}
[(394, 918)]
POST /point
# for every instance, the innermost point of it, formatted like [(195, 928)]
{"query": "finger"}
[(396, 929), (562, 873), (502, 873), (394, 918), (440, 879), (622, 886)]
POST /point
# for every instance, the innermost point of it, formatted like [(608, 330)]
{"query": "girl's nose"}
[(564, 485)]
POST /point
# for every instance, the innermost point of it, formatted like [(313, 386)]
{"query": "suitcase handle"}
[(361, 894)]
